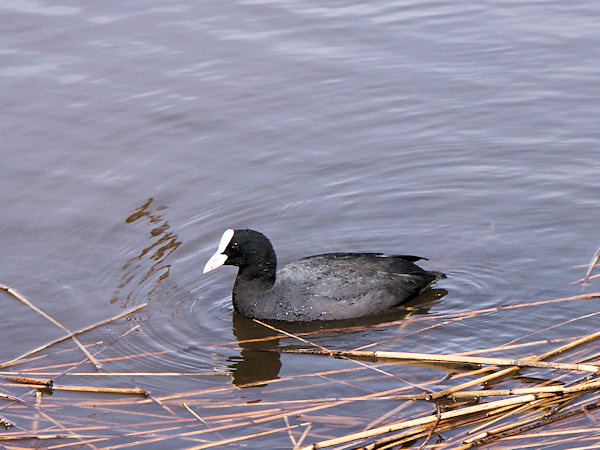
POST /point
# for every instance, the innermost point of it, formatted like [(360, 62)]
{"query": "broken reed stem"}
[(49, 384), (71, 335), (38, 437), (36, 382), (457, 359)]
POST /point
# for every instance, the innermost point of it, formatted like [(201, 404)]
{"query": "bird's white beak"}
[(216, 260)]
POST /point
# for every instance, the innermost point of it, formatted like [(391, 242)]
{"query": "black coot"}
[(323, 287)]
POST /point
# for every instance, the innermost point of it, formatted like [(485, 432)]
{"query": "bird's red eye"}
[(235, 245)]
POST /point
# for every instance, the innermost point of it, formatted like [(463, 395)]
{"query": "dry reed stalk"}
[(185, 405), (490, 369), (507, 434), (146, 418), (581, 280), (502, 415), (540, 414), (434, 427), (543, 403), (111, 374), (522, 391), (566, 322), (35, 437), (102, 390), (26, 302), (494, 416), (402, 438), (204, 392), (586, 358), (49, 383), (278, 415), (89, 442), (49, 356), (457, 359), (271, 327), (538, 410), (262, 416), (398, 439), (35, 382), (72, 335), (590, 429), (243, 438), (190, 434), (502, 429), (290, 434), (387, 415), (511, 370), (583, 340), (303, 436), (139, 355), (562, 442), (12, 398), (420, 432), (448, 320), (514, 346), (423, 431), (538, 424), (66, 430), (72, 366), (426, 420), (591, 267)]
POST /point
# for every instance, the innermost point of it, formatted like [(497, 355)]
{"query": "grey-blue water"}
[(132, 134)]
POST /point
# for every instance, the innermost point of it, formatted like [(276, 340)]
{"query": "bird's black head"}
[(249, 250)]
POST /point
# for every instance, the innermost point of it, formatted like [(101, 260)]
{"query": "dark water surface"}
[(133, 134)]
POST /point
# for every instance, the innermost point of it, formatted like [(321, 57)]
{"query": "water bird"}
[(330, 286)]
